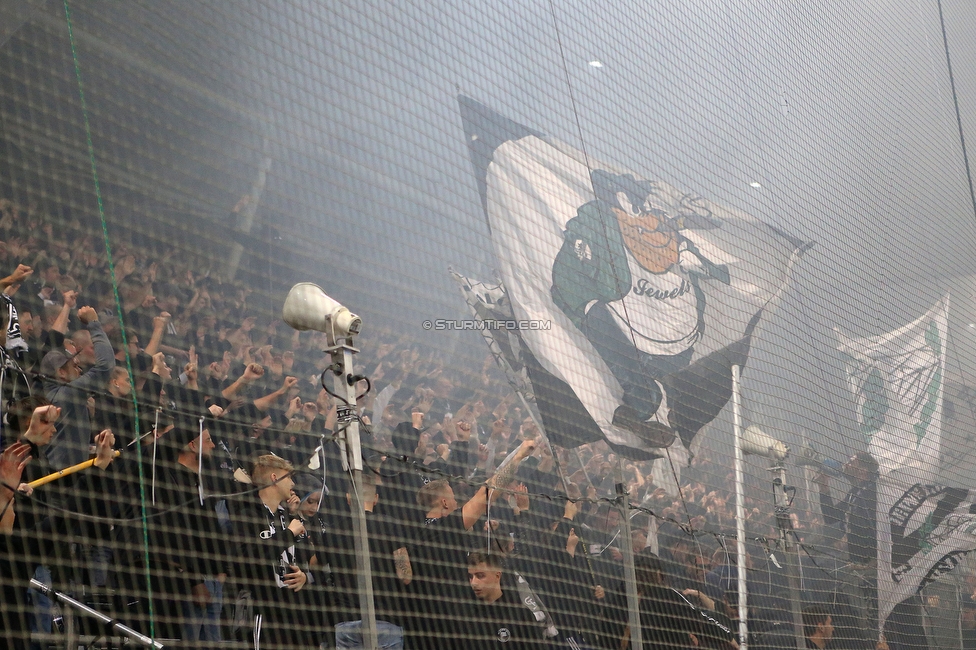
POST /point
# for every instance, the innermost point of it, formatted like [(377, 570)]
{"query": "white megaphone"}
[(307, 307), (757, 442)]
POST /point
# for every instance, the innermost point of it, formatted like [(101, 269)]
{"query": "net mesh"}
[(635, 280)]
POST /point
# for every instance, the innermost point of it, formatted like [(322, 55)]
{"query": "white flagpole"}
[(740, 508), (627, 549)]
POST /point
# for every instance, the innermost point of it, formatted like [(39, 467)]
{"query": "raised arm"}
[(833, 514), (251, 372), (95, 376), (12, 462), (477, 505), (266, 402), (192, 371), (457, 460), (159, 330), (61, 322), (21, 273)]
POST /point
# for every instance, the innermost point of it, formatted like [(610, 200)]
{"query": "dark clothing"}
[(767, 587), (668, 620), (406, 474), (773, 635), (423, 603), (565, 583), (968, 639), (288, 618), (45, 522), (857, 515), (30, 360), (72, 437), (140, 321), (684, 581), (440, 581), (20, 553), (41, 535), (340, 553), (169, 394), (14, 577), (187, 542), (905, 629), (188, 535), (117, 414), (442, 556), (506, 623)]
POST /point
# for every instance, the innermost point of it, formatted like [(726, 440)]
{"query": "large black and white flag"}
[(639, 297), (926, 530)]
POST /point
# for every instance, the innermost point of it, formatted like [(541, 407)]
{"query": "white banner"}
[(897, 380)]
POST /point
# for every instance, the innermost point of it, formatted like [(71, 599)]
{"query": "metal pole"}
[(959, 615), (583, 467), (348, 424), (70, 630), (740, 508), (562, 477), (790, 550), (627, 548), (138, 637)]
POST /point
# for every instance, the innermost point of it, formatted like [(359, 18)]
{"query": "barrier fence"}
[(659, 325)]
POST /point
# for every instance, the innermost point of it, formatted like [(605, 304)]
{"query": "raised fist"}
[(253, 371), (159, 322), (294, 406), (87, 315), (526, 448), (309, 411), (70, 299), (104, 454), (20, 273)]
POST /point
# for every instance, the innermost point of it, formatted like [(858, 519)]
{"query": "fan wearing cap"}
[(68, 386)]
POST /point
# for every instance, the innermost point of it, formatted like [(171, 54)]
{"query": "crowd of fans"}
[(228, 515)]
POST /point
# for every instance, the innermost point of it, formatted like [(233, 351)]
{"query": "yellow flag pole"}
[(44, 480)]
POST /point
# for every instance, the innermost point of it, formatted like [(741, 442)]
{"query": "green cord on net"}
[(118, 307)]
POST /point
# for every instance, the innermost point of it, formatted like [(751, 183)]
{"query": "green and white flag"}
[(637, 298), (897, 380)]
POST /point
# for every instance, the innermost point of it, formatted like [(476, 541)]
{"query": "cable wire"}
[(118, 305), (955, 103)]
